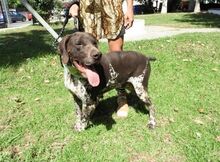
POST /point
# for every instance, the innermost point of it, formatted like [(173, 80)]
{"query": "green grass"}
[(37, 113), (182, 20)]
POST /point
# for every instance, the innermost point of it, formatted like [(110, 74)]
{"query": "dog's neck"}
[(73, 71)]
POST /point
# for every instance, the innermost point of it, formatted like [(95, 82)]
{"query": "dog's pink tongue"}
[(93, 77)]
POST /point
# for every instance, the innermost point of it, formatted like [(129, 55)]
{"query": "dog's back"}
[(128, 63)]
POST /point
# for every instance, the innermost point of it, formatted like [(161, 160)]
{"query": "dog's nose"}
[(96, 55)]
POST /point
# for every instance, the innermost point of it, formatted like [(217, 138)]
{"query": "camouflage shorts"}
[(97, 16)]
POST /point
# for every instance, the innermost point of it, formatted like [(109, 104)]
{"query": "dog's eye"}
[(78, 46), (78, 43), (95, 43)]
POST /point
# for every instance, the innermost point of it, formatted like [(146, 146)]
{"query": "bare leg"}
[(116, 44), (122, 111)]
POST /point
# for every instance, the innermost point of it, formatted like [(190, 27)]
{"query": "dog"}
[(88, 74)]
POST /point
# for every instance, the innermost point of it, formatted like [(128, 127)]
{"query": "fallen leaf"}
[(213, 52), (20, 70), (198, 121), (21, 103), (14, 151), (198, 135), (37, 99), (201, 110), (46, 81), (187, 60), (176, 109), (53, 62), (167, 138), (171, 120), (217, 138), (16, 99), (214, 69)]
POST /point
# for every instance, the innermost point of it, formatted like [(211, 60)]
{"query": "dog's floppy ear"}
[(63, 51)]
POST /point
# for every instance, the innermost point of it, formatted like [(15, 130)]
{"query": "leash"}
[(48, 27), (66, 20)]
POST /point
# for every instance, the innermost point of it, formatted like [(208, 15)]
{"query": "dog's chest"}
[(113, 75)]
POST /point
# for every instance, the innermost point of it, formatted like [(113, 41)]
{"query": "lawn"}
[(37, 112), (182, 20)]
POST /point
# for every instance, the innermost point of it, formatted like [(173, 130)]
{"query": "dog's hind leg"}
[(143, 96)]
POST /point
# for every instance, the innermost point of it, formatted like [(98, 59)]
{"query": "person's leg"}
[(116, 44), (122, 110), (113, 30)]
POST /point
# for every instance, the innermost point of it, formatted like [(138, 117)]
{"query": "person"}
[(96, 16)]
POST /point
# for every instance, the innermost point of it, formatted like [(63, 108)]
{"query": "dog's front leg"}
[(87, 111), (84, 105), (83, 113)]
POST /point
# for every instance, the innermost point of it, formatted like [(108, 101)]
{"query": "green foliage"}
[(44, 7), (13, 3)]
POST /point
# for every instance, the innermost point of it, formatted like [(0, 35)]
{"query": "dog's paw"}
[(79, 127), (151, 124)]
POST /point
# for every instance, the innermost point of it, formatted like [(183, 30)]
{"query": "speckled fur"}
[(115, 69)]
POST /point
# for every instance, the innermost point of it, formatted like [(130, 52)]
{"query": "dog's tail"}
[(151, 58)]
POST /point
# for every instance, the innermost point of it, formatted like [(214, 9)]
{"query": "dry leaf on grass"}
[(46, 81), (214, 69), (187, 60), (37, 99), (217, 138), (198, 121), (198, 135), (16, 99), (171, 120), (167, 138), (176, 109), (201, 111)]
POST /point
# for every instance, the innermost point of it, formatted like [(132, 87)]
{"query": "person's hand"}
[(128, 19), (74, 10)]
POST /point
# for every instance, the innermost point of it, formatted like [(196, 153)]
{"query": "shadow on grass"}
[(106, 108), (17, 47), (204, 19)]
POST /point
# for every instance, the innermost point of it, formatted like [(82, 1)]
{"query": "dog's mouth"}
[(88, 72)]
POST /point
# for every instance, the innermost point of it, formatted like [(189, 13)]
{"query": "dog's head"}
[(80, 50), (80, 47)]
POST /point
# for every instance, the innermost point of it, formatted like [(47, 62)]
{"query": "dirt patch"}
[(157, 157)]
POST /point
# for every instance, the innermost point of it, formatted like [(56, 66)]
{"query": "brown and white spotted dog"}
[(88, 74)]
